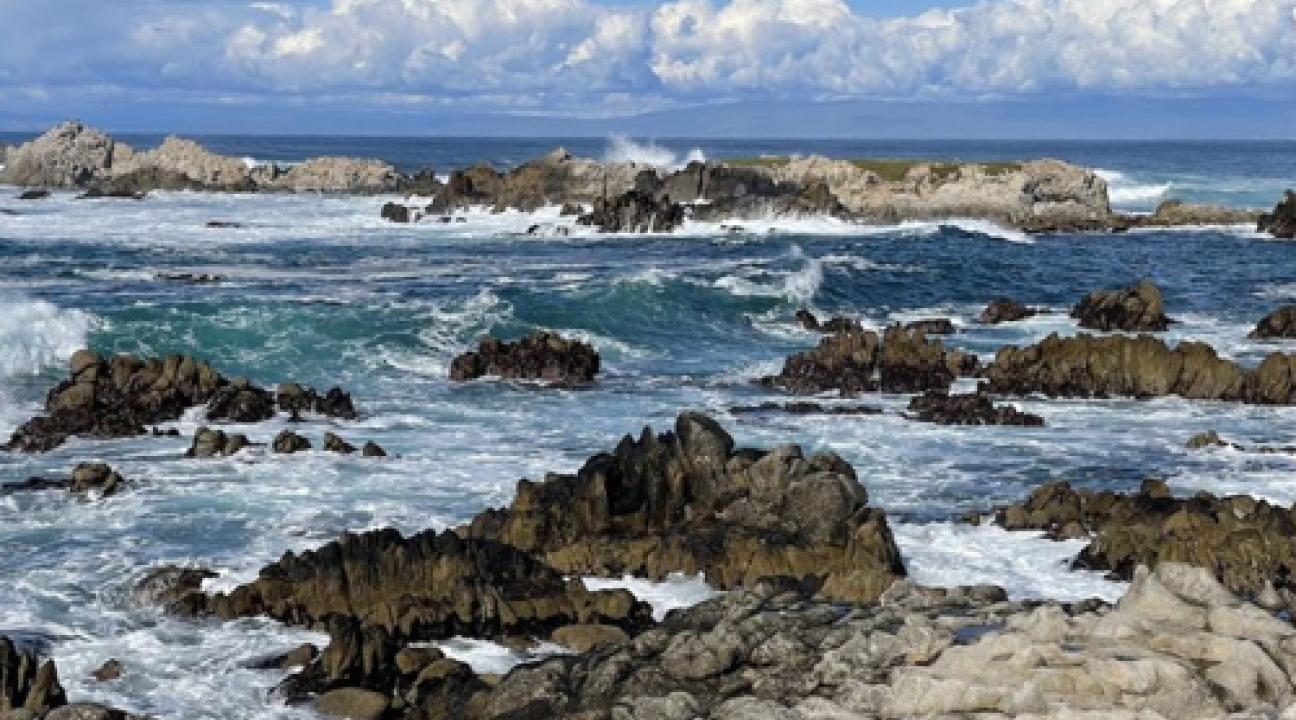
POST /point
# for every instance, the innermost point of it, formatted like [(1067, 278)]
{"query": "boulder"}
[(1005, 310), (172, 588), (634, 212), (241, 402), (809, 321), (1138, 367), (1280, 324), (372, 450), (688, 502), (289, 442), (86, 478), (538, 356), (971, 409), (209, 443), (1138, 308), (109, 671), (1281, 223), (334, 443), (396, 213)]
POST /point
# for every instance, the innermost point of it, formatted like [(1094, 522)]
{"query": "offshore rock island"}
[(1035, 196)]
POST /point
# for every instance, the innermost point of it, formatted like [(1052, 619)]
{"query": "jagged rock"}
[(688, 502), (241, 402), (27, 684), (109, 671), (334, 443), (67, 156), (293, 398), (1247, 543), (428, 586), (88, 711), (909, 362), (634, 212), (180, 164), (396, 213), (538, 356), (1138, 308), (1206, 440), (971, 409), (1005, 310), (372, 450), (936, 326), (1281, 223), (1281, 323), (86, 478), (807, 320), (846, 362), (1139, 367), (209, 443), (289, 442), (117, 398)]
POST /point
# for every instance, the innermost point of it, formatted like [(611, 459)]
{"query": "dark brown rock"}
[(846, 362), (209, 443), (910, 362), (334, 443), (34, 195), (1280, 324), (289, 442), (241, 402), (1281, 223), (807, 320), (935, 326), (1005, 310), (634, 212), (372, 450), (27, 683), (688, 502), (539, 356), (109, 671), (173, 588), (1138, 308), (86, 478), (396, 213), (971, 409)]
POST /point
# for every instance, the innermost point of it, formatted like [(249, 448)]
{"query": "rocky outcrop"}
[(855, 361), (29, 686), (1248, 544), (1281, 223), (212, 443), (428, 586), (809, 321), (634, 212), (289, 442), (1138, 367), (87, 478), (1177, 645), (971, 409), (179, 164), (118, 397), (538, 356), (340, 175), (1005, 310), (1280, 324), (1177, 213), (68, 156), (688, 501), (295, 399), (1138, 308)]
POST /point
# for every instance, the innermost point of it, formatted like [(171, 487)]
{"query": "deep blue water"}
[(321, 291)]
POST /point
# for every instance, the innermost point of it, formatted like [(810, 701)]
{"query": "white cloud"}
[(543, 53)]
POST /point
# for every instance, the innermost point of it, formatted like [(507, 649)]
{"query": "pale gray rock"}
[(339, 175), (70, 155)]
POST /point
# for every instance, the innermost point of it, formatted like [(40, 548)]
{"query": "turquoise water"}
[(320, 291)]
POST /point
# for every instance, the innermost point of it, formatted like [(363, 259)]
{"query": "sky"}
[(857, 68)]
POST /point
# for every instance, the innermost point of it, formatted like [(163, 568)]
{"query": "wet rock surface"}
[(1138, 367), (86, 478), (1281, 223), (1005, 310), (688, 501), (634, 212), (969, 409), (539, 356), (29, 686), (1248, 544), (852, 362), (1280, 324), (1138, 308)]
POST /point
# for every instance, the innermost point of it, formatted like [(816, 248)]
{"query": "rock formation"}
[(972, 409), (1280, 324), (538, 356), (1177, 213), (1138, 367), (86, 478), (1281, 223), (1005, 310), (1248, 544), (856, 361), (29, 687), (1138, 308), (688, 501)]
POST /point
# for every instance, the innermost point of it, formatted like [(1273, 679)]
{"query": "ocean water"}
[(319, 290)]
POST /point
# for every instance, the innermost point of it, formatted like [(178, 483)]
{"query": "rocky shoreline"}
[(1037, 196)]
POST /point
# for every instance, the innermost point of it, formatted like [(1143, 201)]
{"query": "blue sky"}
[(392, 65)]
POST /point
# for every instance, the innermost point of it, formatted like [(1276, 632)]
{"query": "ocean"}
[(321, 291)]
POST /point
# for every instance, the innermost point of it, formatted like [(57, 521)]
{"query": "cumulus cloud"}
[(554, 54)]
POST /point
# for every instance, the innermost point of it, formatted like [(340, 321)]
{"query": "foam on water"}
[(622, 149), (1023, 563), (677, 591), (1127, 193), (35, 334)]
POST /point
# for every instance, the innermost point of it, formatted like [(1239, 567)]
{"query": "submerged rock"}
[(86, 478), (1139, 367), (688, 502), (971, 409), (807, 320), (1005, 310), (1138, 308), (538, 356)]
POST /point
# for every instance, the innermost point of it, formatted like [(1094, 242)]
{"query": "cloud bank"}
[(580, 57)]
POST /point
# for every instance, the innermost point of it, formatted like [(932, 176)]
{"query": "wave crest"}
[(35, 334), (622, 149)]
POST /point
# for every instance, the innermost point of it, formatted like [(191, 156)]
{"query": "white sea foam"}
[(1023, 563), (622, 149), (678, 591), (35, 334), (989, 229), (798, 286), (1123, 190)]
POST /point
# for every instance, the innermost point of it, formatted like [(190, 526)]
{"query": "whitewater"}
[(321, 291)]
